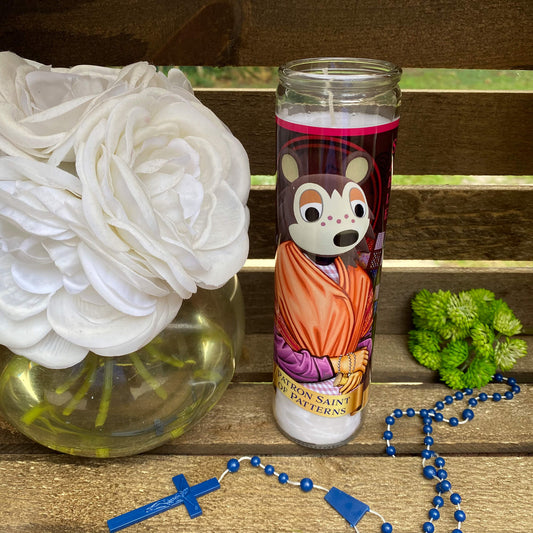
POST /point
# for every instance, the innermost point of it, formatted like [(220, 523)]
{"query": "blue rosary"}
[(350, 508)]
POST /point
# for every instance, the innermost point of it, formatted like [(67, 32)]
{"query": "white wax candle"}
[(335, 119), (312, 429), (295, 421)]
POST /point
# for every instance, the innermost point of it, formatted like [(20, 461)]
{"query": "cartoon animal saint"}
[(324, 300)]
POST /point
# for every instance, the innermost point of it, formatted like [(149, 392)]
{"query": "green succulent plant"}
[(465, 336)]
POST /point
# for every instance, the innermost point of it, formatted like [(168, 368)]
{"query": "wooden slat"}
[(441, 132), (398, 286), (391, 362), (431, 222), (87, 493), (242, 423), (470, 34), (450, 132), (255, 429)]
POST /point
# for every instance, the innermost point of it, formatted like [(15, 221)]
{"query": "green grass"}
[(434, 78), (401, 179), (479, 80)]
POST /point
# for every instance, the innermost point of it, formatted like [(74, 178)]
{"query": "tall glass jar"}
[(337, 123), (117, 406)]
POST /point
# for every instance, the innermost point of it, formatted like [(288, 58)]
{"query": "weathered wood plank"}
[(398, 286), (441, 132), (436, 34), (242, 423), (255, 429), (56, 494), (391, 363), (468, 225), (431, 222)]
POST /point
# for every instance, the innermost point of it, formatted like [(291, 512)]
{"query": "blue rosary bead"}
[(283, 478), (306, 484), (434, 514), (468, 414), (438, 501), (445, 486), (429, 472), (455, 498), (442, 474), (233, 465), (255, 461), (459, 515), (439, 473), (269, 470)]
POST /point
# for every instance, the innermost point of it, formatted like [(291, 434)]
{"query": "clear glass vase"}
[(116, 406)]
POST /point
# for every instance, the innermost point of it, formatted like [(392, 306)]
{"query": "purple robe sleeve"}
[(301, 366), (366, 343)]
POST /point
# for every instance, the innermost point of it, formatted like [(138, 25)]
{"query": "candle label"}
[(332, 191)]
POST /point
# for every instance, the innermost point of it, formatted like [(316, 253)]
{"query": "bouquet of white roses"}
[(120, 194)]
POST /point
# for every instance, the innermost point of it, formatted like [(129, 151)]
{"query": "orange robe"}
[(315, 313)]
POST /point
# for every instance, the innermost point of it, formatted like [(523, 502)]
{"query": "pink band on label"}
[(340, 132)]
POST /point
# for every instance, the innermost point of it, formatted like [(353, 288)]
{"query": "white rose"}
[(41, 107), (165, 182), (49, 311), (100, 260)]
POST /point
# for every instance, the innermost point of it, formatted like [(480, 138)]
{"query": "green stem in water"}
[(156, 353), (103, 408), (65, 386), (35, 412), (82, 391), (141, 369)]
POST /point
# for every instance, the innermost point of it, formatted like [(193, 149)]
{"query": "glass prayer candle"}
[(337, 123)]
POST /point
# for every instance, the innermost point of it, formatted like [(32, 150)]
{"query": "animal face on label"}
[(327, 215), (329, 225)]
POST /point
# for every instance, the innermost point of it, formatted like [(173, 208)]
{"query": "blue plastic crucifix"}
[(185, 494)]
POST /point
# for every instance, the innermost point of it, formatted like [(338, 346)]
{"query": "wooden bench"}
[(441, 132)]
